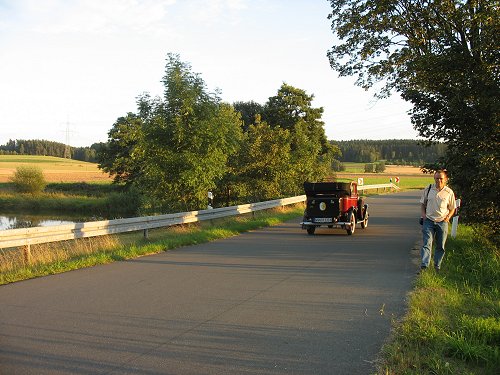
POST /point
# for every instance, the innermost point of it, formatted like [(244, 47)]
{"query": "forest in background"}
[(43, 147), (392, 151)]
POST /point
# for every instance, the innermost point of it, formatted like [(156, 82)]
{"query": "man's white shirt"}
[(439, 203)]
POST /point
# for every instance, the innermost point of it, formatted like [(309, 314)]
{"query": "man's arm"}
[(422, 210), (451, 207)]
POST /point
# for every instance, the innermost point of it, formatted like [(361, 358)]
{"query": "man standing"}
[(438, 207)]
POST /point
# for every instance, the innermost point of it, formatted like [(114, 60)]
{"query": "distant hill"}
[(393, 151)]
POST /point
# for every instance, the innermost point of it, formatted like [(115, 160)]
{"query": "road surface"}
[(271, 301)]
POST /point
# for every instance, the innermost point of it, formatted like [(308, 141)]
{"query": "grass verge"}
[(52, 258), (453, 321)]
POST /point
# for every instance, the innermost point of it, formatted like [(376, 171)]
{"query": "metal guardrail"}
[(37, 235), (379, 186)]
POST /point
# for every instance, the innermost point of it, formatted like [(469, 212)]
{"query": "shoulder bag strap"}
[(427, 194)]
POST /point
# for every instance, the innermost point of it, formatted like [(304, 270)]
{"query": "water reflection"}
[(29, 221)]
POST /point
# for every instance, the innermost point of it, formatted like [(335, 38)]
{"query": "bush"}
[(369, 168), (337, 166), (29, 180), (126, 204), (380, 167)]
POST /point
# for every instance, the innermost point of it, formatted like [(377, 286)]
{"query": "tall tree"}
[(443, 57), (289, 106), (249, 111), (121, 156), (262, 167), (188, 137), (311, 153)]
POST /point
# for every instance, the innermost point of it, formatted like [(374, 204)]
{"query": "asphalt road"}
[(271, 301)]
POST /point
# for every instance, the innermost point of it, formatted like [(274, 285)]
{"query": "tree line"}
[(50, 148), (176, 148), (392, 151)]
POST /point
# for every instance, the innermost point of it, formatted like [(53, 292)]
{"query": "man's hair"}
[(443, 171)]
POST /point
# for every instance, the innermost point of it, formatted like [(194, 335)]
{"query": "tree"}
[(442, 56), (311, 153), (187, 140), (176, 147), (262, 167), (121, 155), (290, 105), (248, 110)]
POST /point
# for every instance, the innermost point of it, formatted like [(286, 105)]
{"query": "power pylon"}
[(67, 147)]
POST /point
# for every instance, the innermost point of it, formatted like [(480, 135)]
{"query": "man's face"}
[(441, 180)]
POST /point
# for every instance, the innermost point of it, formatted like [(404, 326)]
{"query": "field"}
[(54, 169), (409, 177), (68, 170)]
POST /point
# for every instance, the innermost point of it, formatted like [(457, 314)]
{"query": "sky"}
[(70, 68)]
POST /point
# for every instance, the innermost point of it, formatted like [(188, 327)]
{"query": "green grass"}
[(110, 205), (411, 179), (405, 183), (453, 322), (60, 257), (352, 167)]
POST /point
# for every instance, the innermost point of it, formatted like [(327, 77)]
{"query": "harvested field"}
[(390, 170), (410, 177), (54, 169), (403, 170)]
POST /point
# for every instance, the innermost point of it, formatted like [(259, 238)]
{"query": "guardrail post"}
[(145, 233), (27, 254)]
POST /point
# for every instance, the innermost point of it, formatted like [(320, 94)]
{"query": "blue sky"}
[(80, 64)]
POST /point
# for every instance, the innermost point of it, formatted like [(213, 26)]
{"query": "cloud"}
[(215, 12), (103, 17)]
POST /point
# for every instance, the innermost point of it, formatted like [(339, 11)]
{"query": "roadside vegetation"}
[(453, 321), (52, 258), (78, 194), (88, 199)]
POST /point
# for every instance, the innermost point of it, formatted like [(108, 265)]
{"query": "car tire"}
[(352, 221), (364, 223), (310, 230)]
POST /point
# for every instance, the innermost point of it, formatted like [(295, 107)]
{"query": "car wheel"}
[(352, 221), (310, 230), (364, 223)]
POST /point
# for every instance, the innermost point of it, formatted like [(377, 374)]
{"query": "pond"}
[(14, 221)]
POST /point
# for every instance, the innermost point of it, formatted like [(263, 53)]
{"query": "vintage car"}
[(334, 204)]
